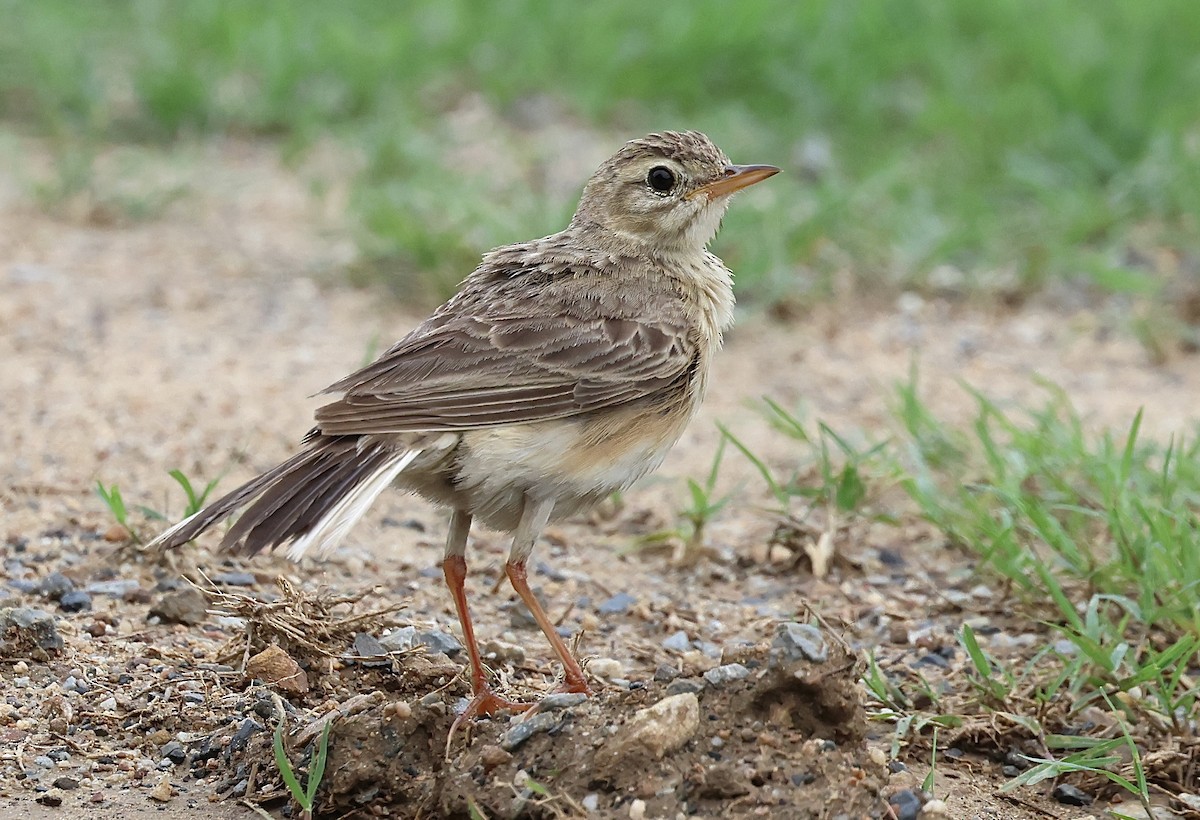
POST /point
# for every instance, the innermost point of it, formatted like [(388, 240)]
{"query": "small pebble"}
[(521, 732), (1016, 760), (605, 668), (113, 589), (55, 585), (665, 673), (43, 762), (550, 572), (561, 700), (794, 642), (616, 604), (163, 792), (117, 534), (175, 752), (492, 756), (66, 783), (720, 675), (75, 601), (235, 579), (108, 704), (504, 651), (906, 804), (369, 651), (399, 640), (685, 685), (186, 605), (1070, 795), (435, 640), (677, 642), (241, 737), (590, 802), (51, 797), (637, 810)]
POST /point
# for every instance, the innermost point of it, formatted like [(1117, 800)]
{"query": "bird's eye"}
[(660, 179)]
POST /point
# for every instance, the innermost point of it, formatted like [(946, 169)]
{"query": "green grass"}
[(305, 797), (997, 144), (1093, 541)]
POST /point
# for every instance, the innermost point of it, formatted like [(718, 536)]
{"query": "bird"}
[(561, 371)]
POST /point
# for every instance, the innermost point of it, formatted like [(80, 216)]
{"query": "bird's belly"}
[(577, 462)]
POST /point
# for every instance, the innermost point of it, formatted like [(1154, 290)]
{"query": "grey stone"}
[(794, 642), (399, 640), (719, 675), (246, 729), (22, 625), (113, 589), (677, 642), (235, 579), (75, 601), (437, 641), (616, 604), (367, 645), (665, 673), (174, 752), (685, 686), (522, 731), (186, 605), (550, 571), (1070, 795), (55, 585), (906, 804), (561, 700)]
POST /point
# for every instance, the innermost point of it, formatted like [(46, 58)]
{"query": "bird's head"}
[(665, 192)]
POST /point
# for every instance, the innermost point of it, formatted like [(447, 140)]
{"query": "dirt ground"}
[(191, 341)]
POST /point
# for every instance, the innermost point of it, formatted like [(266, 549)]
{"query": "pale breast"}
[(579, 462)]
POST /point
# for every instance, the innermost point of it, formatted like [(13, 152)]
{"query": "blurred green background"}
[(982, 147)]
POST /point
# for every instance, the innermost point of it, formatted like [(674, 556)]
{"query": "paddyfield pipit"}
[(561, 372)]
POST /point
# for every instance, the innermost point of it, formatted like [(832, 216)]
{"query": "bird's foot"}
[(574, 687), (485, 702)]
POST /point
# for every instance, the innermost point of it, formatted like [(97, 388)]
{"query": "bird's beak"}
[(736, 178)]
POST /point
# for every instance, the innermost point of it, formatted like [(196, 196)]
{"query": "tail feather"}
[(311, 499)]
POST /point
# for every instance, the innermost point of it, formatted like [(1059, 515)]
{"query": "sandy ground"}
[(191, 342)]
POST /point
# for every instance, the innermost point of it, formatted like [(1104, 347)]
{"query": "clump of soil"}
[(788, 737)]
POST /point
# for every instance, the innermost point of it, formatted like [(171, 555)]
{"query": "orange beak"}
[(736, 178)]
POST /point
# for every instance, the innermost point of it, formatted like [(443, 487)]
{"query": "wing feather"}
[(528, 357)]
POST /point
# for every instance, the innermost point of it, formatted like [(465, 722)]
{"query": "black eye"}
[(661, 180)]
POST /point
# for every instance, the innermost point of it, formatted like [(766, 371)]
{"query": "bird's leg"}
[(533, 520), (454, 566)]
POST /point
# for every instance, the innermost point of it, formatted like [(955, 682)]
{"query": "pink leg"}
[(454, 567), (573, 680)]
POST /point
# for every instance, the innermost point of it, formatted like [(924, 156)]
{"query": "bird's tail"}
[(310, 500)]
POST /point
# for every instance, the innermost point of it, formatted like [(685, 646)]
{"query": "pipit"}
[(561, 372)]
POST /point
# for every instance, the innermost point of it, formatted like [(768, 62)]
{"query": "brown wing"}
[(526, 360)]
